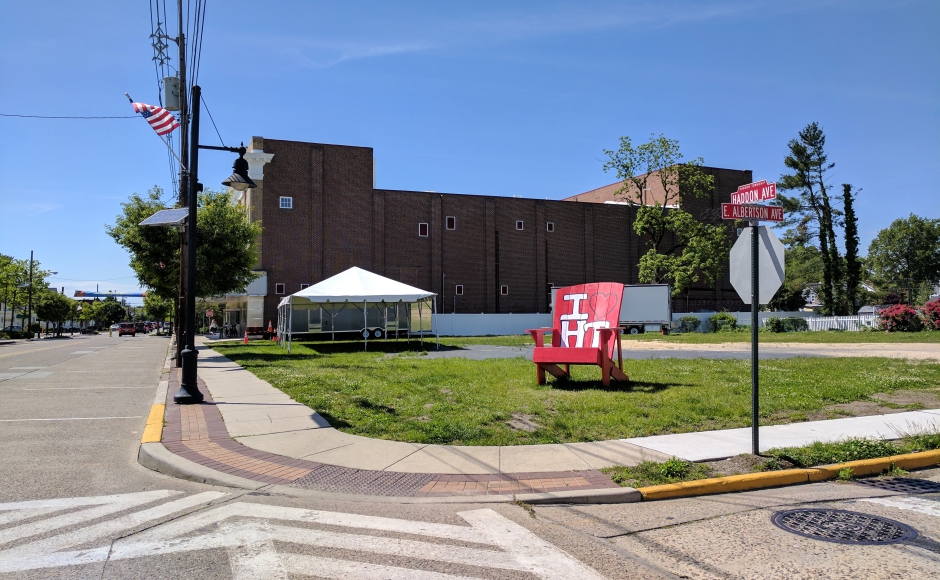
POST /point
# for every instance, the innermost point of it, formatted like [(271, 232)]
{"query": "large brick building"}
[(321, 214)]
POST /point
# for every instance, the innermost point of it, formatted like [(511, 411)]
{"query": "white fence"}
[(842, 322), (488, 324)]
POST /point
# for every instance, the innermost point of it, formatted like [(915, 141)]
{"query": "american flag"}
[(162, 121)]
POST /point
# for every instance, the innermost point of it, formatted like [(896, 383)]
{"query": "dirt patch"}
[(746, 463), (925, 399), (883, 404), (523, 422)]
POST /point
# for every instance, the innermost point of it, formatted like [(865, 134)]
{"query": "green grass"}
[(822, 336), (676, 470), (404, 396)]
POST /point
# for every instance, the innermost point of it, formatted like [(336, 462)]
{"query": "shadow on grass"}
[(334, 422), (615, 386)]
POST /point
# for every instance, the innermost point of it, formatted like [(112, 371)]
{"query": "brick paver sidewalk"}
[(198, 433)]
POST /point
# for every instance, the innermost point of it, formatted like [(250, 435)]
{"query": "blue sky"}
[(490, 98)]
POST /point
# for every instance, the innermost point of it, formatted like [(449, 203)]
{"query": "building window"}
[(302, 286), (519, 224), (451, 222), (279, 289), (549, 227), (287, 202), (504, 290), (423, 230), (458, 289)]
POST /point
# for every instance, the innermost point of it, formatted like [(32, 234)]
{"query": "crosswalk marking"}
[(914, 504), (250, 533)]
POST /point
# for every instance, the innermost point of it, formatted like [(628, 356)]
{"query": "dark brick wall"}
[(339, 220)]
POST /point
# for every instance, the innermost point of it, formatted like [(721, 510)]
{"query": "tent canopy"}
[(358, 285)]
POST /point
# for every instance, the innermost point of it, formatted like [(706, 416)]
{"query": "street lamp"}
[(189, 382)]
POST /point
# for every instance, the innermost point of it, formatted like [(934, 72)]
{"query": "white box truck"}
[(646, 308), (643, 308)]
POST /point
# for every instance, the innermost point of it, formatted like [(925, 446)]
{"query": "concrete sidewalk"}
[(264, 418)]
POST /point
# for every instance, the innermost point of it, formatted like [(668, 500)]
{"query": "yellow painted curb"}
[(787, 476), (153, 432)]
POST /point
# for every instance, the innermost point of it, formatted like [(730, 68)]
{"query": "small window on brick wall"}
[(279, 289), (519, 224), (287, 202), (423, 230), (451, 222), (302, 286), (504, 290), (458, 289), (549, 227)]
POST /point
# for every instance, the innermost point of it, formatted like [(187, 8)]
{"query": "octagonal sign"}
[(770, 265)]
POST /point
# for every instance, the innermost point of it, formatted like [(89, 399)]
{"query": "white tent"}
[(356, 288)]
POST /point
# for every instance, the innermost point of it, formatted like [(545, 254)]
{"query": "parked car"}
[(115, 327), (139, 327), (127, 328)]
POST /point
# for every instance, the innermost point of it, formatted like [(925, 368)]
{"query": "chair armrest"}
[(538, 335)]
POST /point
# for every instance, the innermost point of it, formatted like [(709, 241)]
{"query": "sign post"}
[(759, 291)]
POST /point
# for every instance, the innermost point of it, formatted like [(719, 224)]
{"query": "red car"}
[(127, 328)]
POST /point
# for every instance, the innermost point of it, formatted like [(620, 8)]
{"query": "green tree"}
[(812, 209), (906, 254), (15, 287), (56, 308), (157, 308), (682, 249), (109, 312), (853, 264), (226, 250)]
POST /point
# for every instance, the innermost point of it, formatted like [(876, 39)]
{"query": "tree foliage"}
[(226, 245), (109, 311), (15, 282), (853, 263), (56, 308), (682, 249), (906, 254), (811, 208)]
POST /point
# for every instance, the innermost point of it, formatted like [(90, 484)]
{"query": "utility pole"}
[(29, 291), (184, 184)]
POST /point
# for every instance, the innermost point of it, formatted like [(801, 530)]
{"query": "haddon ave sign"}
[(754, 192)]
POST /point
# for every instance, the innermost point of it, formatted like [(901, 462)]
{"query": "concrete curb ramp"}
[(752, 481)]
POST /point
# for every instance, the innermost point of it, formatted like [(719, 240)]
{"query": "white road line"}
[(25, 368), (536, 555), (45, 553), (107, 505), (344, 569), (68, 419), (914, 504), (82, 388)]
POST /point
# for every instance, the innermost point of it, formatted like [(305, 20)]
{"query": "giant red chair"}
[(585, 330)]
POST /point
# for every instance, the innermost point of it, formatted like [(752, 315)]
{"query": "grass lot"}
[(407, 397), (676, 470), (822, 336)]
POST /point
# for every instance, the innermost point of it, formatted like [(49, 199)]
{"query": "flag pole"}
[(167, 142)]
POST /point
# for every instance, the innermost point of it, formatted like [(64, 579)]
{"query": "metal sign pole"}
[(755, 299)]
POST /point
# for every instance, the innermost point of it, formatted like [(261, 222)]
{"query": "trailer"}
[(646, 308)]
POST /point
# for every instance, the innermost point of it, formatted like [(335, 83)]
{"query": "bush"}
[(775, 324), (689, 323), (722, 320), (795, 324), (932, 315), (899, 318)]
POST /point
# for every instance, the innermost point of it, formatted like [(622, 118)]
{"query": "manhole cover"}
[(902, 484), (843, 526)]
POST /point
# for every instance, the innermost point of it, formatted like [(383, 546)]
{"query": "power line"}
[(211, 119), (64, 117)]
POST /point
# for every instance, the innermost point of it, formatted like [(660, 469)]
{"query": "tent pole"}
[(437, 332), (290, 324), (365, 320)]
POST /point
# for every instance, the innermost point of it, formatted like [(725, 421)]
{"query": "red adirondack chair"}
[(585, 330)]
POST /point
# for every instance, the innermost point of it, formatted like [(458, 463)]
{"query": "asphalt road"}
[(74, 503)]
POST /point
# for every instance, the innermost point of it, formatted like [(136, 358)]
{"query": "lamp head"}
[(239, 180)]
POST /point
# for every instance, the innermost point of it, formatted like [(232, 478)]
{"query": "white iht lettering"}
[(581, 325)]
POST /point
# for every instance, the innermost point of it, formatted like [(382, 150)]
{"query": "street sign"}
[(209, 313), (755, 192), (767, 213), (770, 267)]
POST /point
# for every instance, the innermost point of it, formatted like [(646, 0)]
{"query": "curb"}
[(753, 481), (156, 457)]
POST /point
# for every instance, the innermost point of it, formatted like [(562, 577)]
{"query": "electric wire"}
[(213, 120), (65, 116)]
